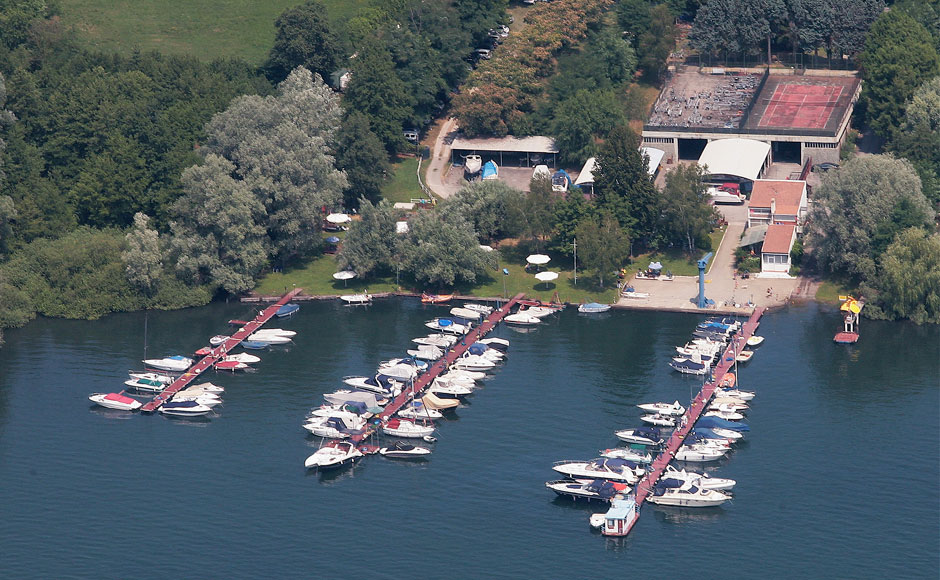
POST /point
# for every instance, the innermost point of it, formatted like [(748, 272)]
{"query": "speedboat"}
[(399, 371), (406, 428), (426, 352), (253, 344), (465, 313), (478, 348), (599, 489), (184, 409), (268, 338), (206, 388), (464, 374), (450, 379), (402, 450), (344, 396), (176, 363), (287, 310), (664, 408), (728, 404), (242, 357), (479, 308), (333, 454), (729, 415), (473, 362), (418, 410), (522, 319), (355, 407), (699, 453), (718, 433), (205, 399), (438, 340), (712, 422), (356, 298), (448, 390), (340, 425), (146, 385), (230, 365), (417, 365), (166, 379), (447, 325), (640, 436), (735, 393), (115, 401), (500, 344), (276, 331), (602, 468), (755, 340), (659, 420), (218, 339), (592, 307), (674, 492), (539, 311), (689, 367), (702, 480), (379, 384), (628, 453)]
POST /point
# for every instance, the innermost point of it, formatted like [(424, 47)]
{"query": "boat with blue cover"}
[(712, 422), (689, 367), (253, 344), (287, 310), (593, 307)]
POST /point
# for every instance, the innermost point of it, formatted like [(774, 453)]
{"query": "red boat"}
[(230, 365), (436, 298)]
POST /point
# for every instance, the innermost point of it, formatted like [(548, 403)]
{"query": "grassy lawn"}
[(206, 29), (677, 260), (829, 292), (403, 185)]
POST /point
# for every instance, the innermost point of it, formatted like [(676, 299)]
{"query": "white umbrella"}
[(344, 275), (338, 218), (655, 266), (486, 248), (547, 276), (538, 259)]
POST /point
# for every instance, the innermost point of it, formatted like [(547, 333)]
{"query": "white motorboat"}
[(464, 374), (599, 489), (117, 401), (699, 453), (230, 365), (218, 339), (175, 364), (400, 370), (402, 450), (640, 436), (755, 340), (206, 388), (439, 340), (728, 404), (184, 409), (166, 379), (449, 390), (377, 385), (345, 396), (426, 352), (418, 410), (450, 379), (659, 420), (473, 362), (467, 313), (356, 298), (702, 480), (332, 455), (593, 307), (268, 338), (726, 415), (146, 385), (602, 468), (539, 311), (500, 344), (276, 332), (685, 494), (628, 453), (328, 410), (674, 409), (242, 357), (205, 399), (744, 356), (522, 319), (339, 425), (449, 327), (480, 308), (406, 428), (727, 434), (735, 393)]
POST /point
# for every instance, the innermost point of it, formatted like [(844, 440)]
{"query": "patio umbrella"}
[(655, 266), (332, 240), (344, 275), (538, 259), (338, 218), (547, 276)]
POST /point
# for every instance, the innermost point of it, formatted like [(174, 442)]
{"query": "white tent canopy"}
[(547, 276), (655, 158), (735, 157), (338, 218), (538, 259)]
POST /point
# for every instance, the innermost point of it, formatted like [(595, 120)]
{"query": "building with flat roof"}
[(800, 117)]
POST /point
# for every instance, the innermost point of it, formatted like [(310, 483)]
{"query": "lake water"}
[(838, 478)]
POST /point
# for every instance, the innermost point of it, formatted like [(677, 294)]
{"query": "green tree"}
[(376, 91), (687, 215), (867, 196), (112, 185), (372, 243), (362, 156), (142, 256), (918, 139), (899, 56), (603, 246), (909, 280), (303, 38), (219, 238), (488, 206), (582, 117), (623, 187), (442, 250), (7, 215), (534, 211), (633, 17), (568, 215), (657, 42)]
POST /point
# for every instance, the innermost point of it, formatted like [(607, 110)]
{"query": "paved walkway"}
[(435, 177)]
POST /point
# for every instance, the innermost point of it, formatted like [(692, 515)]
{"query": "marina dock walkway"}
[(698, 406), (442, 364), (218, 352)]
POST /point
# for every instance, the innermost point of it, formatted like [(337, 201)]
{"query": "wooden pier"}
[(441, 365), (218, 352), (645, 486)]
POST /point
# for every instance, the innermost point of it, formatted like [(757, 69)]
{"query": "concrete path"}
[(439, 163)]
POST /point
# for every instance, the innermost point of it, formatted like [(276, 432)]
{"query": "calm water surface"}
[(838, 478)]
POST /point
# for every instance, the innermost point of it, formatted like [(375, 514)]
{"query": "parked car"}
[(825, 166), (483, 53)]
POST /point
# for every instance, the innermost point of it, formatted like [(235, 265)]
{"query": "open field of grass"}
[(676, 260), (403, 184), (202, 28), (829, 292)]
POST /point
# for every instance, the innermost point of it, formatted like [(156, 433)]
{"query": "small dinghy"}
[(436, 298), (755, 340), (744, 356), (402, 450), (117, 401), (593, 307), (356, 298), (218, 339), (659, 420)]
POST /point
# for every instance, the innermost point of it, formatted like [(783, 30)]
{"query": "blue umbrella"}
[(332, 240)]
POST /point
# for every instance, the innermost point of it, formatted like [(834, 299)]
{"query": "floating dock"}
[(645, 486), (218, 352), (441, 365)]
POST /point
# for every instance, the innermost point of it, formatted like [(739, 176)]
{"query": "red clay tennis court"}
[(801, 106)]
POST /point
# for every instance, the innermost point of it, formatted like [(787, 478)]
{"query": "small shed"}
[(775, 253)]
